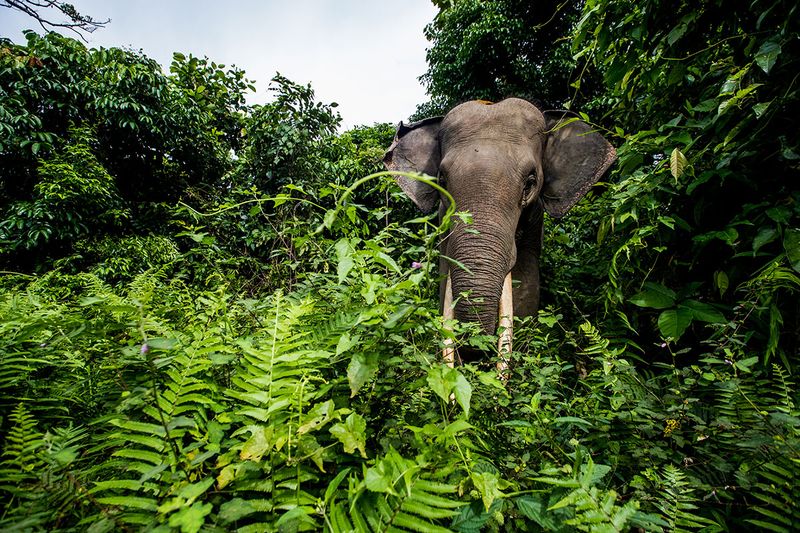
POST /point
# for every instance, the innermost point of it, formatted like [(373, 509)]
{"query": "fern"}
[(579, 503), (160, 444), (394, 494), (676, 502), (276, 452), (21, 450), (20, 472), (777, 492)]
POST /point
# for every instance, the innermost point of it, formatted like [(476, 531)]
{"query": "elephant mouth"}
[(505, 314)]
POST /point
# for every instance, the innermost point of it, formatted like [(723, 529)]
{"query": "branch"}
[(77, 23)]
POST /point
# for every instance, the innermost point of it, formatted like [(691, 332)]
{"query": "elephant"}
[(506, 163)]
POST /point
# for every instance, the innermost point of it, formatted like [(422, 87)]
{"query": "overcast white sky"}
[(366, 55)]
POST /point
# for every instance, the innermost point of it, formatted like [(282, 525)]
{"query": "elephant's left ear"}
[(575, 158), (416, 149)]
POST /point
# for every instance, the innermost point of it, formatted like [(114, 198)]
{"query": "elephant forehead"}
[(511, 120)]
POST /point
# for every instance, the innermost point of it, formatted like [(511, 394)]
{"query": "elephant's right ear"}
[(416, 149)]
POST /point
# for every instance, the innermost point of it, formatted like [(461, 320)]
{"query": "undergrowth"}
[(169, 404)]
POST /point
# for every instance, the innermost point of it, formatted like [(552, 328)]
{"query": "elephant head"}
[(505, 163)]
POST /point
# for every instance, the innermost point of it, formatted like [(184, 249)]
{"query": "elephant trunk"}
[(487, 254)]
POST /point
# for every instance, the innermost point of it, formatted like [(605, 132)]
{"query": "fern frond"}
[(778, 491), (21, 450), (395, 493)]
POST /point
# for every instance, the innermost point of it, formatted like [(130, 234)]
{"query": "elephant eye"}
[(442, 178), (530, 181), (530, 190)]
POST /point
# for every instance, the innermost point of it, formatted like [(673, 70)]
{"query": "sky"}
[(365, 55)]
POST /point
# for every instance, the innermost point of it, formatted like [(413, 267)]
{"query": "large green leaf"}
[(791, 243), (673, 322), (438, 381), (655, 296), (704, 312)]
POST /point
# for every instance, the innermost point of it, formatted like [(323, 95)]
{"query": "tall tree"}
[(491, 49)]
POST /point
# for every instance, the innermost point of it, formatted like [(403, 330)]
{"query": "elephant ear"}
[(575, 157), (416, 149)]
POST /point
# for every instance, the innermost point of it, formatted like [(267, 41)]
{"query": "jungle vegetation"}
[(213, 317)]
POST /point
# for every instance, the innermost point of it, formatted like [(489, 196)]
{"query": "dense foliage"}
[(211, 322), (494, 49)]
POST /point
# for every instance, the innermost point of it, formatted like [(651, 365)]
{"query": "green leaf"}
[(463, 391), (351, 434), (333, 486), (704, 312), (791, 244), (380, 478), (194, 490), (745, 364), (329, 218), (317, 417), (296, 519), (573, 420), (385, 260), (361, 369), (403, 311), (534, 507), (439, 382), (473, 517), (191, 519), (767, 54), (346, 342), (673, 322), (721, 281), (456, 427), (344, 254), (764, 236), (655, 296), (133, 502), (676, 33), (760, 108), (236, 509), (487, 484), (259, 443)]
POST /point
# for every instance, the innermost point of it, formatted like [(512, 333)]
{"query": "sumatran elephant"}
[(505, 163)]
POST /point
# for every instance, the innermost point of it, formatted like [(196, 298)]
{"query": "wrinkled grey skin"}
[(505, 163)]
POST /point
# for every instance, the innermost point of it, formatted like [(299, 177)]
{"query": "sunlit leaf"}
[(677, 163), (488, 485)]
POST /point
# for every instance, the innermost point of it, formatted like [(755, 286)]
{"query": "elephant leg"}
[(526, 270)]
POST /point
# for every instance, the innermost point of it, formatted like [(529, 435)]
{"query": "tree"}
[(286, 139), (159, 139), (491, 49)]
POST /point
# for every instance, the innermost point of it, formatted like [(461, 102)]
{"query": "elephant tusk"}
[(506, 315), (448, 353)]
